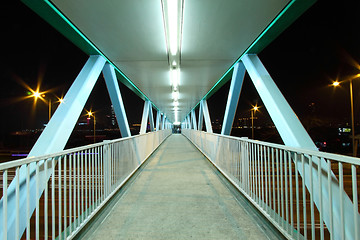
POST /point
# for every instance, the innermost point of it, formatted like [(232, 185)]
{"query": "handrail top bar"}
[(27, 160), (331, 156)]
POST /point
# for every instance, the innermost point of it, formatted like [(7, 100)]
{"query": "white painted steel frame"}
[(116, 99), (294, 135), (233, 97), (193, 120), (145, 116), (207, 119), (263, 172), (53, 139), (82, 181)]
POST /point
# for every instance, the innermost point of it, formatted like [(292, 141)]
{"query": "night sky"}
[(322, 45)]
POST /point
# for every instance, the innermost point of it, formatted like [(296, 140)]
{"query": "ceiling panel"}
[(131, 34)]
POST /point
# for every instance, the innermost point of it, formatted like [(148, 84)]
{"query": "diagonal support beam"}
[(163, 122), (193, 120), (116, 99), (201, 115), (206, 114), (294, 134), (158, 119), (145, 115), (151, 118), (53, 139), (233, 97)]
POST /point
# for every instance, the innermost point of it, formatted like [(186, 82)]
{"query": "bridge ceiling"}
[(131, 34)]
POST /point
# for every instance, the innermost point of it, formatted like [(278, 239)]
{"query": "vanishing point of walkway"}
[(179, 195)]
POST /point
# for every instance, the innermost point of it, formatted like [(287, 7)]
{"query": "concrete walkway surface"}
[(178, 195)]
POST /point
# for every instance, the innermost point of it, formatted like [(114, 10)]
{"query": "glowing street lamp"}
[(253, 110), (336, 84), (91, 114)]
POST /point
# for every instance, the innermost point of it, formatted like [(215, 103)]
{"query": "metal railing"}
[(273, 178), (81, 181)]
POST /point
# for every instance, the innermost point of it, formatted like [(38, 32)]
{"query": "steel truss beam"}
[(204, 113), (53, 139), (193, 120), (233, 97), (116, 99), (294, 134)]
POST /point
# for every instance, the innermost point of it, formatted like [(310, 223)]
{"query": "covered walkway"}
[(180, 195)]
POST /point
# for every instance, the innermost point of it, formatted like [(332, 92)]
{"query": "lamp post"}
[(335, 84), (40, 95), (253, 110), (93, 115)]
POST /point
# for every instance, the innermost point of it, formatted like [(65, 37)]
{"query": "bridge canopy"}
[(134, 36)]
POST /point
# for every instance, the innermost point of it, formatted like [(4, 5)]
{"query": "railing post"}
[(107, 167)]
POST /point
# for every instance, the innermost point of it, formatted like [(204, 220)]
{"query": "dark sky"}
[(320, 46)]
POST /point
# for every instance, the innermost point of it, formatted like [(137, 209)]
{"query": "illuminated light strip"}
[(58, 12)]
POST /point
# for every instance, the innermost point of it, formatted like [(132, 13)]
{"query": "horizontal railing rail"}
[(272, 177), (82, 180)]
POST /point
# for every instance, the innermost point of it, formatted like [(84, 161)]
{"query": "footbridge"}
[(175, 54)]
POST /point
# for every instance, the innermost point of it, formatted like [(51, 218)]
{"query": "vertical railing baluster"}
[(5, 198), (273, 180), (46, 203), (78, 189), (75, 188), (312, 199), (355, 200), (320, 208), (28, 201), (266, 180), (304, 194), (262, 177), (70, 193), (286, 217), (278, 184), (341, 185), (82, 170), (17, 207), (329, 174), (297, 195), (93, 179), (282, 188), (269, 178), (37, 196), (53, 198), (59, 195), (65, 196), (86, 180), (97, 188), (291, 193)]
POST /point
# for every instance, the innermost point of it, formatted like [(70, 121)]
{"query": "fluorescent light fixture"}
[(172, 15), (174, 77), (176, 116), (175, 95), (172, 18), (176, 104)]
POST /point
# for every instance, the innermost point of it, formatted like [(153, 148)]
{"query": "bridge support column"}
[(233, 97), (204, 112), (193, 120), (163, 122), (294, 134), (116, 99), (53, 139), (145, 115), (158, 118)]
